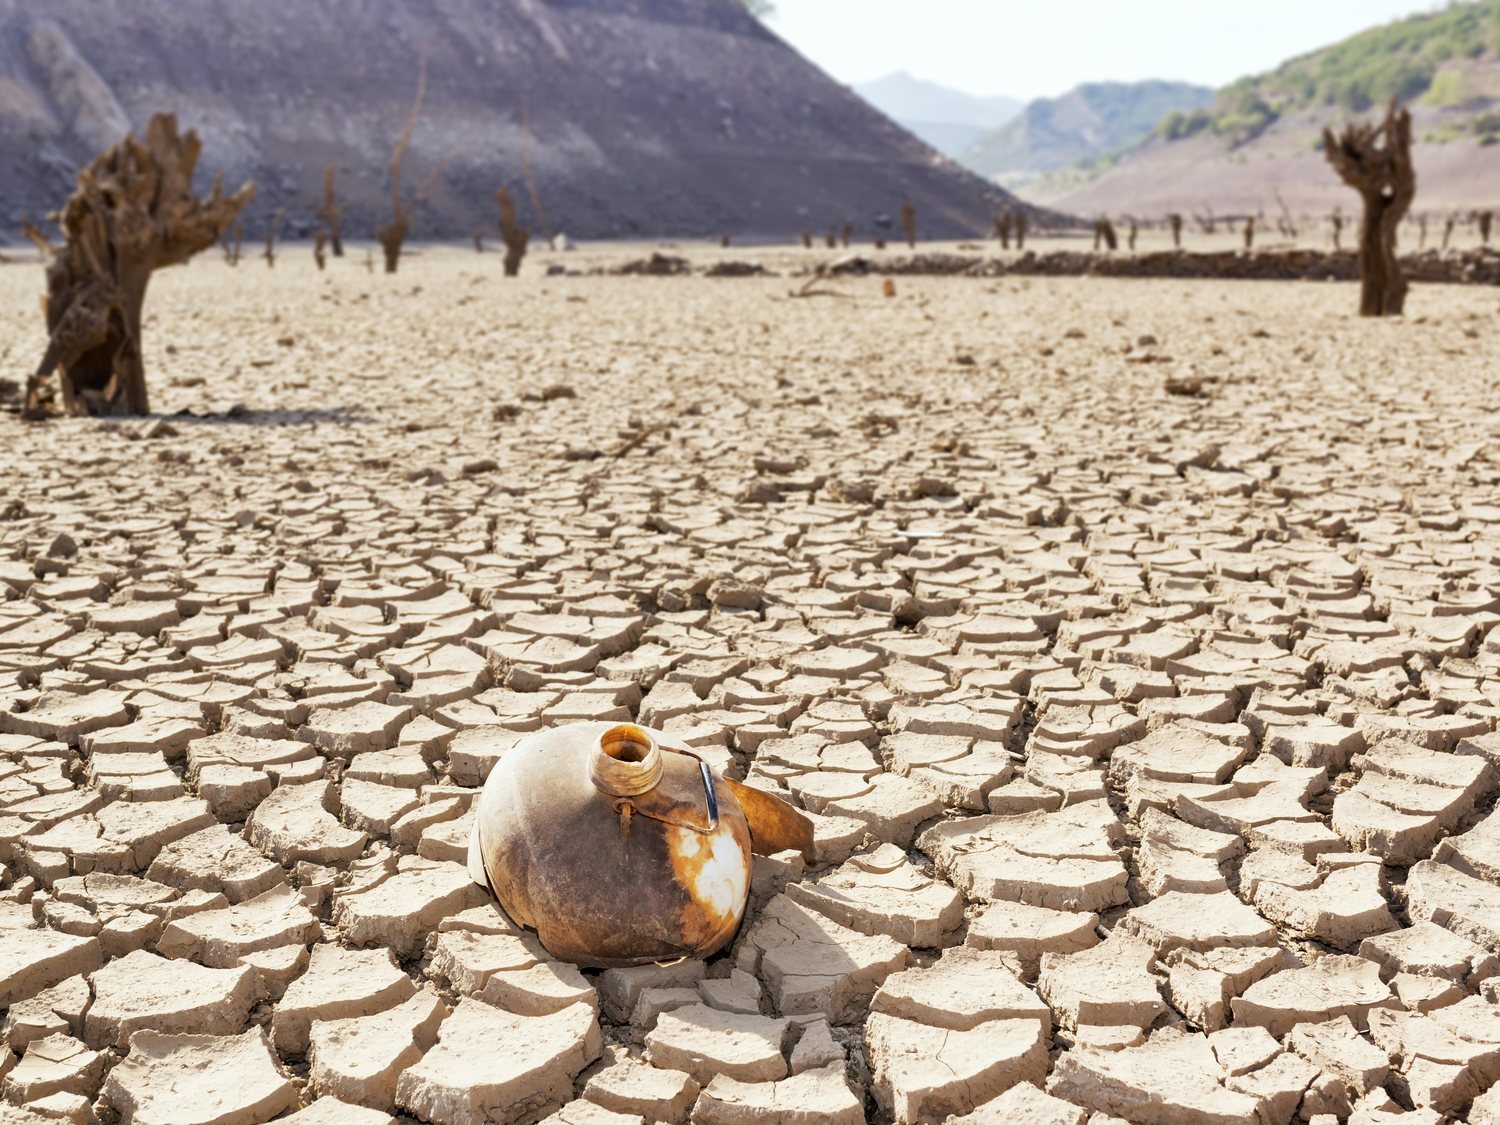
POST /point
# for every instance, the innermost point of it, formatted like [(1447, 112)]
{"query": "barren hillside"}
[(645, 117)]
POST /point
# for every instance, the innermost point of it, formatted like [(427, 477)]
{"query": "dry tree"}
[(133, 212), (320, 248), (1003, 223), (1484, 219), (1422, 231), (831, 240), (909, 223), (1337, 220), (846, 232), (1175, 220), (1104, 231), (1448, 225), (516, 237), (393, 235), (807, 240), (1022, 225), (1130, 242), (269, 254), (1249, 233), (331, 211), (1375, 160), (233, 247)]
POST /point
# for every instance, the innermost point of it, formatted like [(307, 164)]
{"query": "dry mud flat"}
[(1151, 737)]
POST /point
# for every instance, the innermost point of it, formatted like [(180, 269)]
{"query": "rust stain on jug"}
[(620, 850)]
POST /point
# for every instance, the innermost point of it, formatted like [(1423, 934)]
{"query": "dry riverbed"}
[(1150, 737)]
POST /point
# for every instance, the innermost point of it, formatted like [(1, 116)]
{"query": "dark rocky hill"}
[(639, 117)]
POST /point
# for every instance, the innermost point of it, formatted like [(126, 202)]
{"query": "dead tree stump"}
[(516, 237), (332, 212), (275, 229), (392, 236), (133, 212), (233, 247), (1375, 160), (1002, 228), (909, 223)]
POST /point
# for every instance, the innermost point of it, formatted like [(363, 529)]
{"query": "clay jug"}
[(621, 849)]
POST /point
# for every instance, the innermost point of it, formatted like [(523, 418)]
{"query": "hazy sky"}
[(1037, 48)]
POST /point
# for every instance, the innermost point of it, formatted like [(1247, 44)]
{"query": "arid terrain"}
[(1150, 737)]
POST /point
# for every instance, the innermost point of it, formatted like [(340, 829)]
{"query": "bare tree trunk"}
[(909, 223), (133, 212), (332, 212), (516, 237), (1375, 160), (393, 234)]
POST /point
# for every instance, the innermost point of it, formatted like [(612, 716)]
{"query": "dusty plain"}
[(1150, 737)]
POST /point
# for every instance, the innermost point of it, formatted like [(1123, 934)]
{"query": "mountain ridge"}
[(636, 118), (1259, 144)]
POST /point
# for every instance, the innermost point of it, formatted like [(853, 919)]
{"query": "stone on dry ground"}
[(1114, 709)]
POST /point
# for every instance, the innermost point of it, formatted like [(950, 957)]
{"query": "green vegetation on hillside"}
[(1417, 57)]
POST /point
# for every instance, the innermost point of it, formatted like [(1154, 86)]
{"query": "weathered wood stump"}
[(1375, 160), (516, 237), (272, 233), (392, 236), (132, 213), (1003, 223), (332, 212)]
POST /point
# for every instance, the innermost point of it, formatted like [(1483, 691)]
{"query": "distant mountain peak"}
[(948, 119)]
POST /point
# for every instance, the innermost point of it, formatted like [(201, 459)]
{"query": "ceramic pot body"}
[(616, 849)]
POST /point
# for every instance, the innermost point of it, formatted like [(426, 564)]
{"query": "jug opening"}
[(626, 762), (626, 743)]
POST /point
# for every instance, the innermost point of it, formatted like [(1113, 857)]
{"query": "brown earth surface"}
[(1150, 737)]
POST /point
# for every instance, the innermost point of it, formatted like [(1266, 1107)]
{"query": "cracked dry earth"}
[(1150, 738)]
